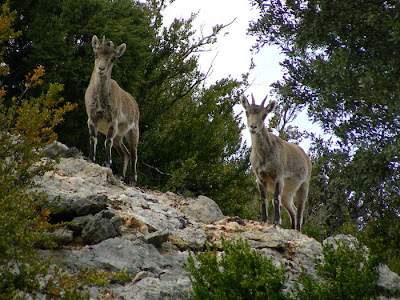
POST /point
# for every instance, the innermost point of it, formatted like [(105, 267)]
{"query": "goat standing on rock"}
[(280, 167), (111, 110)]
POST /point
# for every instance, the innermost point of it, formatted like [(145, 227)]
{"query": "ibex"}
[(111, 110), (280, 167)]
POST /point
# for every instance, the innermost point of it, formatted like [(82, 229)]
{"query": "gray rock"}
[(151, 288), (118, 254), (55, 149), (195, 238), (98, 229), (203, 209), (117, 221), (62, 236), (68, 207), (78, 223), (388, 280), (157, 238)]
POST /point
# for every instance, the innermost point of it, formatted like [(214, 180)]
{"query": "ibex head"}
[(105, 55), (256, 114)]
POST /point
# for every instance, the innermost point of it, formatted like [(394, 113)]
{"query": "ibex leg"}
[(264, 201), (301, 197), (287, 202), (108, 145), (123, 153), (277, 201), (92, 140), (133, 140)]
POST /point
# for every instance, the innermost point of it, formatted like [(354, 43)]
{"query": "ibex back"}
[(111, 110), (280, 167)]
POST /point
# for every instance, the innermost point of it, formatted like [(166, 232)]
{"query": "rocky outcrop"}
[(112, 227)]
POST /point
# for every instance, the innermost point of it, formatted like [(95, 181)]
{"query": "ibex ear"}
[(244, 101), (271, 106), (120, 50), (95, 42)]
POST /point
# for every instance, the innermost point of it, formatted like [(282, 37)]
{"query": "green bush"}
[(240, 273), (348, 272)]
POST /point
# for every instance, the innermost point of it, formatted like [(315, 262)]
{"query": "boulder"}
[(102, 226), (203, 209), (66, 208), (157, 276)]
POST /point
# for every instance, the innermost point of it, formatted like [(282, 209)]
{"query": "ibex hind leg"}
[(287, 202), (133, 140), (277, 201), (124, 153), (301, 197)]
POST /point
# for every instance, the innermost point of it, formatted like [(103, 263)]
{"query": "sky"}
[(231, 55)]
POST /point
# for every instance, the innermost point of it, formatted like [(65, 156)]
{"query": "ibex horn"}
[(263, 102), (104, 39), (253, 101)]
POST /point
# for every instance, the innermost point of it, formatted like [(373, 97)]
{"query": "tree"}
[(189, 134), (26, 126), (342, 63)]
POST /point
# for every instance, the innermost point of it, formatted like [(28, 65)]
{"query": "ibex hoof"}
[(276, 225), (119, 177), (107, 165), (132, 181)]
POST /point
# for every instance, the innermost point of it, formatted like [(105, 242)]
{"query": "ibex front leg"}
[(93, 131), (108, 144), (277, 201), (264, 202)]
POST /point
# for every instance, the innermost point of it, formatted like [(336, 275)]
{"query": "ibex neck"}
[(101, 83), (261, 139)]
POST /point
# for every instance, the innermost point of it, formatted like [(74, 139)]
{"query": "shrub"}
[(346, 273), (240, 273)]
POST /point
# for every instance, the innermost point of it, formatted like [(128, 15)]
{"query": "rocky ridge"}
[(149, 234)]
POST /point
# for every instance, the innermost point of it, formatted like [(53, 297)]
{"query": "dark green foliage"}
[(381, 236), (346, 273), (239, 273)]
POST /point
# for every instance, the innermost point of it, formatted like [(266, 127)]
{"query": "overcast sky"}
[(231, 55)]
